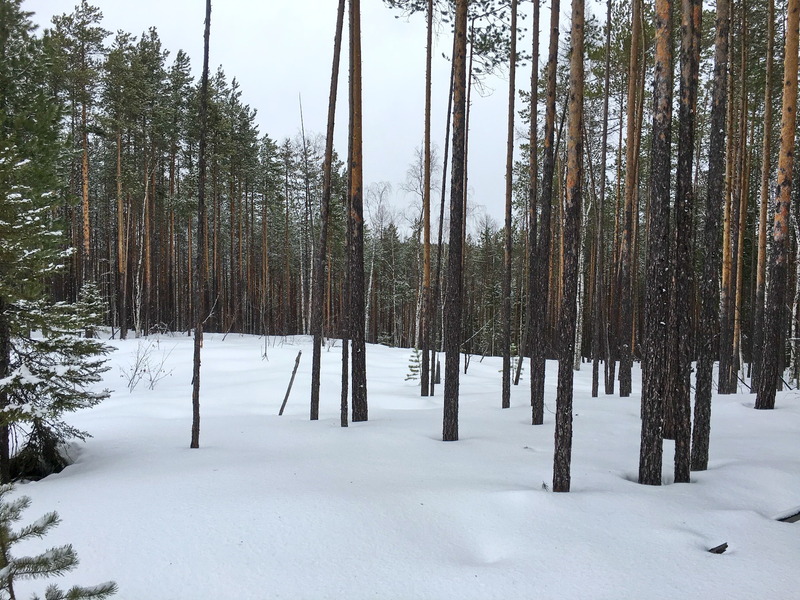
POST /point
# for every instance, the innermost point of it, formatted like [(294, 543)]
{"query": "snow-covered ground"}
[(282, 507)]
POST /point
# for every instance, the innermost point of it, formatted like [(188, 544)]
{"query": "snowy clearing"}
[(282, 507)]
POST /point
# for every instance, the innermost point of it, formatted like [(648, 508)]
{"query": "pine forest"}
[(650, 218)]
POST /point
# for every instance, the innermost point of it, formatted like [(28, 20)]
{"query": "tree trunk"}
[(631, 183), (453, 298), (87, 264), (766, 144), (358, 359), (775, 315), (654, 380), (427, 313), (680, 314), (199, 303), (599, 316), (512, 92), (572, 235), (533, 174), (318, 295), (5, 368), (542, 266), (709, 282)]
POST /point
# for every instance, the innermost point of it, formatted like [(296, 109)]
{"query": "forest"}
[(647, 211)]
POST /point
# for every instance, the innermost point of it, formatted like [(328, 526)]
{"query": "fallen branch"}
[(291, 382)]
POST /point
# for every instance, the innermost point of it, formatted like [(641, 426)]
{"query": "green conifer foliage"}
[(413, 365), (53, 562), (47, 367)]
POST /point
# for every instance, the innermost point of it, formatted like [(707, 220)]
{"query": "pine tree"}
[(572, 225), (53, 562), (46, 368), (775, 315)]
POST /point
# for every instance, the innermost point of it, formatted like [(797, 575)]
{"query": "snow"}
[(282, 507)]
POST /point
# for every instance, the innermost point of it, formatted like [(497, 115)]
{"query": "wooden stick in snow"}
[(291, 382)]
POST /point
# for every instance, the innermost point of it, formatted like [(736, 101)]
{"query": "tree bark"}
[(358, 358), (775, 316), (533, 181), (542, 268), (453, 298), (199, 302), (571, 237), (680, 315), (427, 313), (599, 316), (631, 184), (654, 377), (766, 144), (709, 282), (512, 92), (318, 295)]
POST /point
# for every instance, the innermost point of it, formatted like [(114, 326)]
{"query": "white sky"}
[(279, 49)]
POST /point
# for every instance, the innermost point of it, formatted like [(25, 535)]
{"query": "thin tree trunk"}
[(435, 378), (533, 175), (427, 313), (725, 321), (709, 282), (761, 265), (200, 305), (86, 275), (599, 316), (542, 267), (512, 92), (631, 183), (318, 295)]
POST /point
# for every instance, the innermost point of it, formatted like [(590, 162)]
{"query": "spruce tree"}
[(47, 367), (53, 562)]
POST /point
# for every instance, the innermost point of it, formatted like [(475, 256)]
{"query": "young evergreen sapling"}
[(53, 562)]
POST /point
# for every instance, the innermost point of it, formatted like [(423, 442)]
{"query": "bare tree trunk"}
[(631, 183), (427, 315), (725, 321), (87, 264), (318, 295), (199, 303), (122, 246), (358, 359), (775, 316), (709, 282), (680, 314), (572, 233), (542, 268), (435, 374), (761, 265), (533, 174), (512, 92), (654, 383), (453, 299), (599, 316)]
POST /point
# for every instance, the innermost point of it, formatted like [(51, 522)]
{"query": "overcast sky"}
[(281, 50)]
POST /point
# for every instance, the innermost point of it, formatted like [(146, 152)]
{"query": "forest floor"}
[(282, 507)]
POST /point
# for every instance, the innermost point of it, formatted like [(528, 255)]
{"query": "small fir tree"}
[(53, 370), (413, 365), (53, 562)]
